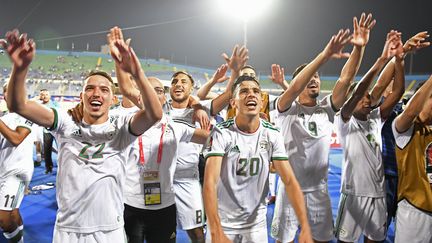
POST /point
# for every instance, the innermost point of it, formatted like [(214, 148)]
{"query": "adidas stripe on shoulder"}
[(268, 125)]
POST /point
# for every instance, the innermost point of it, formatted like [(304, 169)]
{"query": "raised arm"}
[(126, 85), (413, 44), (15, 137), (404, 121), (278, 76), (295, 196), (398, 87), (21, 52), (218, 77), (237, 60), (363, 86), (151, 111), (332, 50), (381, 84), (359, 40), (211, 179)]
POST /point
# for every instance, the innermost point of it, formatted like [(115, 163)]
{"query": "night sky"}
[(291, 33)]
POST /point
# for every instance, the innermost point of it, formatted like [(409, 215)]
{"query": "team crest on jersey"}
[(235, 149), (168, 132), (110, 131), (428, 159), (264, 145), (275, 229)]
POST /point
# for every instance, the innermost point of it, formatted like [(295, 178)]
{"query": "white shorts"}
[(285, 224), (12, 190), (117, 235), (259, 235), (189, 203), (412, 224), (357, 215)]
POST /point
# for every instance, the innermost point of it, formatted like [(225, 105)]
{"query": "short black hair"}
[(351, 88), (185, 73), (241, 79), (100, 73), (298, 70), (248, 66)]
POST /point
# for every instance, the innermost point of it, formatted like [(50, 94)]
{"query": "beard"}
[(179, 99), (314, 95)]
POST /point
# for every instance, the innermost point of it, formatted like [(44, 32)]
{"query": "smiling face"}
[(312, 89), (181, 88), (44, 96), (97, 97), (247, 99)]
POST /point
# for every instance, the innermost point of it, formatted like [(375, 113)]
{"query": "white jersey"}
[(362, 167), (91, 173), (155, 145), (243, 184), (16, 160), (272, 104), (188, 153), (307, 136)]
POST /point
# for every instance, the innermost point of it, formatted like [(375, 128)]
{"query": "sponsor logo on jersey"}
[(235, 149)]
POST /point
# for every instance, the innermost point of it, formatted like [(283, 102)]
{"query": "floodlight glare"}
[(244, 9)]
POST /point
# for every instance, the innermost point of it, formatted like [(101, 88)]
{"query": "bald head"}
[(159, 88)]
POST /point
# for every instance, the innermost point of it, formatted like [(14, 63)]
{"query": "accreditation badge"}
[(152, 194)]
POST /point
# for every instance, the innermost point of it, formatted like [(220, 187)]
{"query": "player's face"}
[(181, 88), (44, 96), (248, 72), (159, 89), (363, 106), (97, 96), (313, 87), (248, 100)]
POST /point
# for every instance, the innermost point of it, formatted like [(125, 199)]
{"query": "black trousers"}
[(47, 148), (155, 226)]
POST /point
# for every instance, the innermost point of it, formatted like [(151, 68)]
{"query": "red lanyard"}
[(160, 149)]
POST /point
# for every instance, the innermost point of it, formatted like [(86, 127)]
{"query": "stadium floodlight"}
[(244, 10)]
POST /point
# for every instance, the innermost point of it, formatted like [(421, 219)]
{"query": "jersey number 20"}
[(253, 164)]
